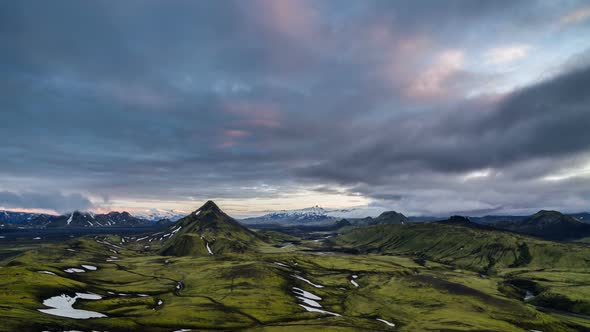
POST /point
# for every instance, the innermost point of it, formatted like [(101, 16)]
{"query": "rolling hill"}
[(466, 244), (209, 231)]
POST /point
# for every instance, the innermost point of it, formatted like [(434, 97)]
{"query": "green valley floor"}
[(127, 286)]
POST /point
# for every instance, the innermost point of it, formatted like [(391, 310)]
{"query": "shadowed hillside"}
[(551, 225)]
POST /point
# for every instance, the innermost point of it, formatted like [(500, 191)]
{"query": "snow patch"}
[(312, 309), (529, 296), (175, 231), (61, 306), (74, 270), (89, 267), (309, 302), (47, 272), (209, 249), (386, 322), (307, 281), (306, 294)]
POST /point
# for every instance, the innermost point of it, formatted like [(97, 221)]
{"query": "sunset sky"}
[(424, 107)]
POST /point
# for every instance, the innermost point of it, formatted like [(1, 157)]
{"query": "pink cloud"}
[(396, 56), (236, 133), (431, 82), (231, 138), (293, 18), (255, 114)]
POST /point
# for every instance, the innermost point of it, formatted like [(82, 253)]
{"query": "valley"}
[(209, 272)]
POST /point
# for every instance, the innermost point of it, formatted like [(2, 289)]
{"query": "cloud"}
[(432, 82), (576, 16), (48, 201), (382, 100), (507, 54)]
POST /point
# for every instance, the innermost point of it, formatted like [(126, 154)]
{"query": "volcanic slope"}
[(209, 231)]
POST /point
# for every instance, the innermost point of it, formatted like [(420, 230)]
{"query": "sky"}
[(423, 107)]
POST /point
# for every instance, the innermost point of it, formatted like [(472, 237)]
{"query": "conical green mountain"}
[(209, 231)]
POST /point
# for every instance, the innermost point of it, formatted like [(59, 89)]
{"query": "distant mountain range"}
[(75, 219), (318, 214), (156, 215), (545, 224), (308, 215)]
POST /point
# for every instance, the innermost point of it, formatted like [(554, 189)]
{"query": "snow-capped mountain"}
[(315, 214), (11, 217), (155, 215), (307, 215), (88, 219)]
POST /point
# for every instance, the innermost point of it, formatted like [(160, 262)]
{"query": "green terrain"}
[(209, 272)]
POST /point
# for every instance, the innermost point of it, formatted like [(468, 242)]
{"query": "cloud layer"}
[(425, 107)]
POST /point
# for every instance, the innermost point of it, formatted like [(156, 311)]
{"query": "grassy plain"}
[(413, 289)]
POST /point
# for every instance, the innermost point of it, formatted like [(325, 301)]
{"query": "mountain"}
[(390, 217), (314, 214), (155, 215), (17, 218), (87, 219), (387, 217), (551, 225), (490, 220), (164, 221), (460, 242), (208, 231), (582, 217)]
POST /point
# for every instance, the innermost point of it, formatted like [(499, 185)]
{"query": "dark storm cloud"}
[(547, 120), (175, 99)]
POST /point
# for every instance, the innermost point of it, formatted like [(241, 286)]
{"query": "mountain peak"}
[(547, 212), (209, 206)]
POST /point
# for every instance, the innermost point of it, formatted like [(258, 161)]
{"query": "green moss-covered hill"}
[(466, 244)]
